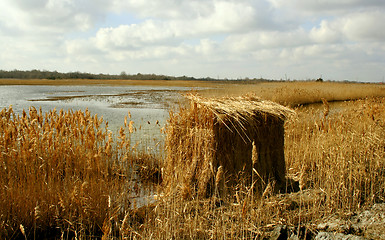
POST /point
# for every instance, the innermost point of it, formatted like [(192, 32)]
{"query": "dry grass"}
[(62, 175), (341, 153), (219, 133), (337, 157), (298, 93), (190, 152)]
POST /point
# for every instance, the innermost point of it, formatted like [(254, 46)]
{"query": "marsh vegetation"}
[(63, 175)]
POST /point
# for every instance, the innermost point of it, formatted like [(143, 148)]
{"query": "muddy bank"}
[(368, 223)]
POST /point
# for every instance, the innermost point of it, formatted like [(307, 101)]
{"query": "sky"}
[(271, 39)]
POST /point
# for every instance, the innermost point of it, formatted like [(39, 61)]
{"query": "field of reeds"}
[(64, 176), (337, 159)]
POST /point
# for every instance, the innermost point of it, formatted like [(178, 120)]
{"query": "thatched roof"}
[(242, 107), (237, 111)]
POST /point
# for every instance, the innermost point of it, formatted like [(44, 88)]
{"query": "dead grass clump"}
[(61, 174), (218, 134)]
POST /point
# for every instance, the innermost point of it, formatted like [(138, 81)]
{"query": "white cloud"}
[(166, 9), (229, 38), (327, 6), (326, 32), (365, 26), (206, 47), (55, 16), (267, 40), (133, 36), (226, 17), (361, 26)]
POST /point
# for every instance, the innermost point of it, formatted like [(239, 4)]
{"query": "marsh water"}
[(148, 105)]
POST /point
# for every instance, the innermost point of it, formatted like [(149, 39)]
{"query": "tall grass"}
[(337, 155), (299, 93), (342, 154), (61, 174)]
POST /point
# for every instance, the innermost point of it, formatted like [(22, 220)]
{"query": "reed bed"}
[(300, 93), (340, 153), (61, 174), (296, 93), (336, 155)]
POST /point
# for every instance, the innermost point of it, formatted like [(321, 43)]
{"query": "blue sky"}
[(274, 39)]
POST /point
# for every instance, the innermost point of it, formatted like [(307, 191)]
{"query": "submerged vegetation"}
[(64, 176)]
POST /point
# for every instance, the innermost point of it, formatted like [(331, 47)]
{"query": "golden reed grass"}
[(336, 154), (341, 153), (48, 187), (215, 133), (61, 174), (298, 92)]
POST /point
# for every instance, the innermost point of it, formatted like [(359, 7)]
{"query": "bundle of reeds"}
[(219, 134)]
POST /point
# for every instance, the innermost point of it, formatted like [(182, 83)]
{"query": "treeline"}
[(38, 74)]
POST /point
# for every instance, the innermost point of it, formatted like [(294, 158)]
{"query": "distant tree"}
[(45, 74), (123, 75)]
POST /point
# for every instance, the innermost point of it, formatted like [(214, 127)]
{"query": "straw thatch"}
[(211, 143)]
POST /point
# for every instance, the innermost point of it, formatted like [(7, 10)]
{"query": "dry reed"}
[(341, 153), (336, 157), (299, 92), (215, 135), (61, 174)]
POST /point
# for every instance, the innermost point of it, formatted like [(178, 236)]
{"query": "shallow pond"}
[(148, 105)]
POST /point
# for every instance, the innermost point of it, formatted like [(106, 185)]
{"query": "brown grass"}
[(219, 133), (61, 175), (298, 93), (341, 153), (337, 159)]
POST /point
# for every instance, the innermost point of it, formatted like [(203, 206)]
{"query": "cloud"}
[(224, 17), (166, 9), (364, 26), (133, 36), (327, 32), (360, 26), (230, 38), (55, 16), (327, 6), (258, 40)]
